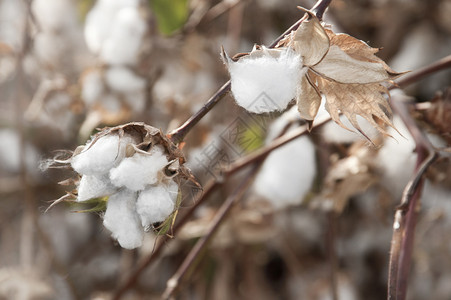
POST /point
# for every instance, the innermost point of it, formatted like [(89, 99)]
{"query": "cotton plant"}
[(312, 62), (133, 172)]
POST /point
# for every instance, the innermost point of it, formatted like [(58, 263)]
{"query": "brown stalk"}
[(174, 281), (407, 212)]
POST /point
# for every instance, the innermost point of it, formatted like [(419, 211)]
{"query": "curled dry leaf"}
[(348, 74), (347, 177)]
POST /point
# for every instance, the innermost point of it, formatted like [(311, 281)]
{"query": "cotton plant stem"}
[(421, 73), (174, 281), (178, 134), (406, 214)]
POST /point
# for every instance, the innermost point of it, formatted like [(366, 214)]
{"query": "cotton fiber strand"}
[(121, 219), (140, 170), (92, 186), (100, 155), (265, 83), (156, 203)]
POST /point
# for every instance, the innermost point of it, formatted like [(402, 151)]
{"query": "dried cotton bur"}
[(314, 61), (133, 173)]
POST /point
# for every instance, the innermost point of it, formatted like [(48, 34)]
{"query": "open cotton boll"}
[(100, 19), (100, 155), (266, 80), (287, 174), (121, 219), (156, 203), (122, 45), (140, 170), (92, 186)]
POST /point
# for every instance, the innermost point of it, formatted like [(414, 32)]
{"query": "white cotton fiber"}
[(126, 33), (156, 203), (121, 219), (99, 156), (288, 172), (140, 170), (100, 19), (396, 158), (123, 80), (265, 83), (92, 87), (92, 186)]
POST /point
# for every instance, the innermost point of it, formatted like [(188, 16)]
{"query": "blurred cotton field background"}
[(320, 210)]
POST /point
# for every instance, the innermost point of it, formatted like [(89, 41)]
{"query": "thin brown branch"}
[(406, 214), (419, 74), (174, 281), (320, 7)]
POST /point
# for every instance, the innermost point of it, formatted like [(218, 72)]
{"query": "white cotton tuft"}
[(100, 155), (122, 79), (156, 203), (122, 45), (100, 20), (266, 82), (92, 186), (287, 174), (396, 158), (121, 219), (140, 170), (92, 87)]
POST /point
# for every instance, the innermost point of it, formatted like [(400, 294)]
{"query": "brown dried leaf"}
[(308, 98), (366, 100), (347, 177), (310, 40), (358, 49)]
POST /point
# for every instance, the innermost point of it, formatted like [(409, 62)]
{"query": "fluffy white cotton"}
[(92, 186), (122, 220), (266, 82), (122, 45), (140, 170), (10, 149), (124, 80), (288, 172), (92, 87), (100, 20), (100, 156), (396, 159), (156, 203)]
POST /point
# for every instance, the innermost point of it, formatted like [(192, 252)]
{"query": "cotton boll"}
[(92, 186), (100, 19), (100, 155), (123, 80), (396, 158), (266, 80), (156, 203), (122, 45), (140, 170), (92, 87), (287, 174), (121, 219)]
